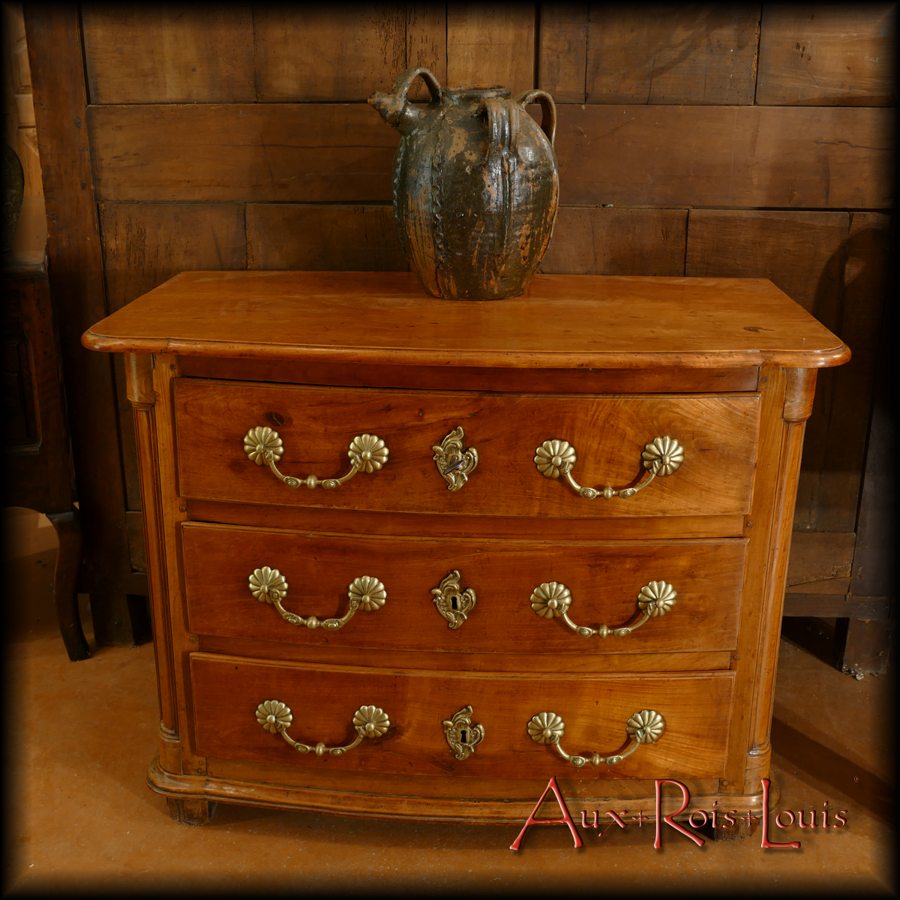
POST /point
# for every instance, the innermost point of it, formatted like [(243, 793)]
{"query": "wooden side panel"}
[(490, 45), (823, 55), (747, 156), (611, 241), (323, 237), (681, 53), (168, 53), (837, 271)]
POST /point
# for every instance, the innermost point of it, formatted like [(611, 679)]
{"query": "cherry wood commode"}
[(414, 557)]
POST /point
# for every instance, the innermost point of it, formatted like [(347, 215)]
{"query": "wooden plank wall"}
[(694, 139)]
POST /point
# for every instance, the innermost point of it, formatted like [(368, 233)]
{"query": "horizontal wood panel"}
[(616, 241), (688, 156), (166, 53), (700, 53), (215, 152), (828, 54), (491, 44), (604, 580), (718, 434), (742, 156), (227, 690), (323, 237), (146, 243)]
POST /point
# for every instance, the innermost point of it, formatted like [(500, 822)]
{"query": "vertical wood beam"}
[(53, 33)]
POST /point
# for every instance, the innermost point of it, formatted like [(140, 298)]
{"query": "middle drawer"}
[(458, 595)]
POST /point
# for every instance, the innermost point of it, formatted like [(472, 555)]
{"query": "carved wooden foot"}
[(65, 580), (190, 810)]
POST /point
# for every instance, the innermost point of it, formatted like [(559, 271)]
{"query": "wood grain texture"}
[(617, 241), (582, 321), (242, 152), (226, 692), (698, 53), (725, 156), (835, 270), (77, 288), (319, 237), (721, 532), (832, 55), (314, 52), (169, 53), (563, 50), (140, 252), (604, 581), (318, 424), (491, 45)]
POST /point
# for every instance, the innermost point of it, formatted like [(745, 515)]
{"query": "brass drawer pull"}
[(662, 456), (276, 717), (644, 727), (552, 600), (367, 452), (269, 586)]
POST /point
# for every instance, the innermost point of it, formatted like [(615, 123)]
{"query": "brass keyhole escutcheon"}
[(462, 734), (454, 462), (451, 601)]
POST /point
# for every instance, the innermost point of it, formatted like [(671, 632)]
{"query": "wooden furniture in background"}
[(399, 626), (37, 458), (748, 140)]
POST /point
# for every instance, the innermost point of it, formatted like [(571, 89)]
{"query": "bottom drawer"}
[(464, 724)]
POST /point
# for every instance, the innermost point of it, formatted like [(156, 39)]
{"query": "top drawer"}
[(524, 444)]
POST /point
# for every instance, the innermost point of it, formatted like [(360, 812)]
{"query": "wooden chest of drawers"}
[(414, 557)]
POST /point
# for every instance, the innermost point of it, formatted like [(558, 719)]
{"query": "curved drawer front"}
[(432, 723), (466, 454), (460, 595)]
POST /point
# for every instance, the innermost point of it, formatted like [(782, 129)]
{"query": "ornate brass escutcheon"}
[(644, 727), (455, 462), (462, 734), (276, 717), (367, 452), (452, 602), (268, 585), (662, 456), (553, 599)]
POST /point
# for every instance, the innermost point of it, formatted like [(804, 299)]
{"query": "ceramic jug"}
[(476, 185)]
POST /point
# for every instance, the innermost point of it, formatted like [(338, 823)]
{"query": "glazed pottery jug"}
[(476, 186)]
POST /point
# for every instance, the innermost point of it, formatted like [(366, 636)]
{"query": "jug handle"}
[(404, 82), (548, 110)]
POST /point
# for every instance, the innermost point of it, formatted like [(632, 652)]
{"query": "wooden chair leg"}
[(68, 561)]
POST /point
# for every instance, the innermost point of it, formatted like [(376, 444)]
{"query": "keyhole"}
[(454, 601), (464, 736)]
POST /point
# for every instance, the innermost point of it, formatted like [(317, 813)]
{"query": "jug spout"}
[(396, 109), (390, 106)]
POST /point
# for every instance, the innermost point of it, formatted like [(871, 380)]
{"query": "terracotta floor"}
[(80, 818)]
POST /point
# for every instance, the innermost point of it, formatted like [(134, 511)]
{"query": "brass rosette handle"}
[(368, 721), (662, 456), (644, 727), (367, 452), (365, 593), (552, 600)]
